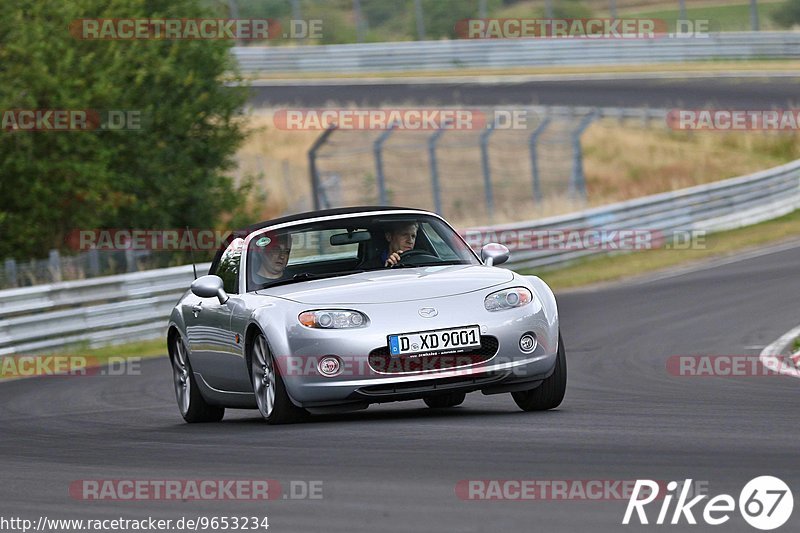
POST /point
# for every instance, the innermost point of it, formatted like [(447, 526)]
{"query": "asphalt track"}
[(722, 92), (395, 467)]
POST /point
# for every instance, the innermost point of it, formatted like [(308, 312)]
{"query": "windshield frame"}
[(243, 278)]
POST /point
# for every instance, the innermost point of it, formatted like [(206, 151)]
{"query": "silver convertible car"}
[(334, 310)]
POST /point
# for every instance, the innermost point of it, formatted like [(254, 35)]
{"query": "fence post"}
[(437, 193), (54, 265), (11, 272), (754, 15), (312, 163), (377, 148), (532, 147), (487, 172), (93, 258), (577, 183), (420, 18)]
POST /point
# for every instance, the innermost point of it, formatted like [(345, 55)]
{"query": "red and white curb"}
[(773, 356)]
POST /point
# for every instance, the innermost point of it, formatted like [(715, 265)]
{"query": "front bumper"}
[(360, 382)]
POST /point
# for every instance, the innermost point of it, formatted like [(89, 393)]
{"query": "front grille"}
[(412, 388), (381, 361)]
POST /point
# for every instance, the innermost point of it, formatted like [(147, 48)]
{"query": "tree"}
[(169, 173), (788, 14)]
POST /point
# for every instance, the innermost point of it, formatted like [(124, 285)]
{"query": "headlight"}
[(508, 299), (332, 319)]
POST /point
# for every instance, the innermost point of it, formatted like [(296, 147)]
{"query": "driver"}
[(401, 238), (272, 252)]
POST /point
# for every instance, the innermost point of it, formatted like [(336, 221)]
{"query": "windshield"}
[(350, 245)]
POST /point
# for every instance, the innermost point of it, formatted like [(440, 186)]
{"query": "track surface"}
[(394, 467), (737, 93)]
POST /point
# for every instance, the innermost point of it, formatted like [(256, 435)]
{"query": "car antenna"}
[(191, 254)]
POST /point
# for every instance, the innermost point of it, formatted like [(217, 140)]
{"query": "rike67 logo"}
[(765, 503)]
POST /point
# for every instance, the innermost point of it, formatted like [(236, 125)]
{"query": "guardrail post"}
[(312, 164), (487, 172), (377, 148), (54, 265), (11, 272), (437, 193), (532, 147), (577, 185)]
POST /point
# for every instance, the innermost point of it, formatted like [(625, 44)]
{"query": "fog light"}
[(329, 365), (527, 343)]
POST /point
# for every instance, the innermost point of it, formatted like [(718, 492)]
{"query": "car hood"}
[(385, 286)]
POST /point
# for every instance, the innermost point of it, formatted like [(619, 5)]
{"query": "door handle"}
[(197, 308)]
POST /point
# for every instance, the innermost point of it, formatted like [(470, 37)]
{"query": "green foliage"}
[(170, 173), (571, 9), (788, 14)]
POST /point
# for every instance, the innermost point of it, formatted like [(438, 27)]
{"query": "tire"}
[(273, 401), (445, 400), (191, 404), (550, 393)]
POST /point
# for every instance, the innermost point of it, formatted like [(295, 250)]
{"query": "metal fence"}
[(90, 264), (136, 306), (506, 53), (470, 176), (92, 312)]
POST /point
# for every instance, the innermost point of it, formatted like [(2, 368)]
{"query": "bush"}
[(168, 174)]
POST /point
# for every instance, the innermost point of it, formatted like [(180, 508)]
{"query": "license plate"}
[(435, 341)]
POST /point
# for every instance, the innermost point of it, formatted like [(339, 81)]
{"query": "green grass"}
[(796, 345), (103, 355), (734, 17), (618, 267)]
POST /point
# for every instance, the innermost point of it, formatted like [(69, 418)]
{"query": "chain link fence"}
[(480, 176)]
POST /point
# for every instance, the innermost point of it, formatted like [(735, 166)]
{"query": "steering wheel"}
[(413, 253)]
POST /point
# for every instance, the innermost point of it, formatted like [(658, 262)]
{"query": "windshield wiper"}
[(430, 264)]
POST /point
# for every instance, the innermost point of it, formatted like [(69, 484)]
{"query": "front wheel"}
[(191, 403), (273, 401), (550, 393)]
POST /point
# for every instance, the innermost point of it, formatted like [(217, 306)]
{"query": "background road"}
[(737, 93), (395, 467)]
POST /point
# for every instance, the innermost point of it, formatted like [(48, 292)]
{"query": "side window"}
[(228, 268)]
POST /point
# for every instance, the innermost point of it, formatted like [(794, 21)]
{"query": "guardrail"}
[(135, 306), (500, 53), (718, 206), (94, 312)]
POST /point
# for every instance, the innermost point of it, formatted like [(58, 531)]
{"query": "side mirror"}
[(494, 254), (210, 287)]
